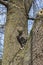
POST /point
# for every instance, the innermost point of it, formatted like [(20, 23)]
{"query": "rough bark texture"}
[(32, 54), (16, 19), (37, 43), (0, 61)]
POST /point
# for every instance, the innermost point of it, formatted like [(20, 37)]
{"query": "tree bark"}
[(16, 20), (4, 2)]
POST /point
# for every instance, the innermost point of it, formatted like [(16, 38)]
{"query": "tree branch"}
[(4, 2), (27, 4), (40, 18)]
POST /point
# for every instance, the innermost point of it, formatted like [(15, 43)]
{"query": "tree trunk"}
[(16, 20)]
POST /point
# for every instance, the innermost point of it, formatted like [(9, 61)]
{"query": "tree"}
[(16, 20), (4, 2)]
